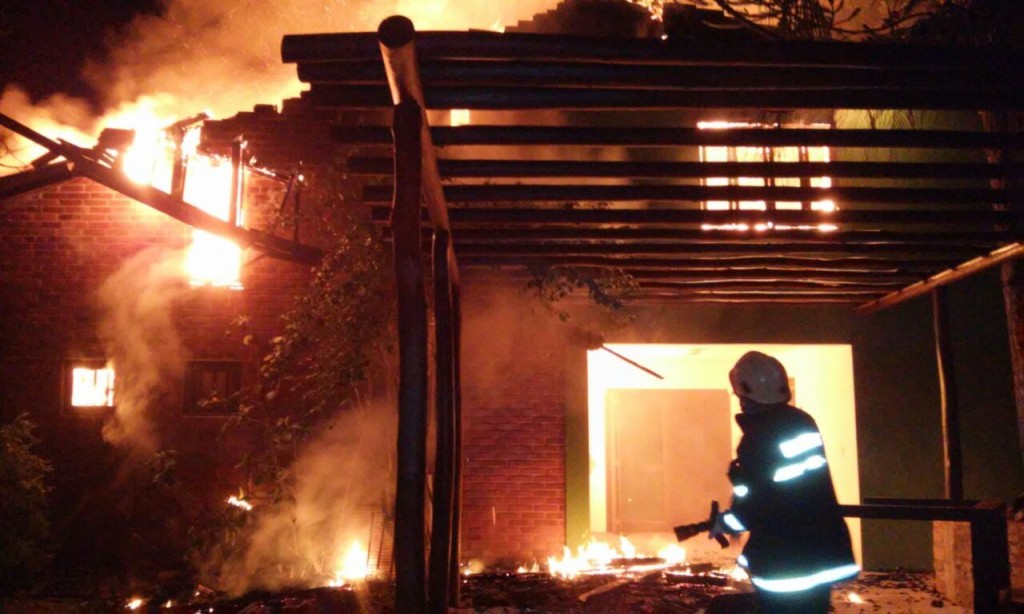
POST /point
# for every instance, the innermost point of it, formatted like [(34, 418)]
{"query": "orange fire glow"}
[(765, 154), (211, 260), (598, 557), (353, 565), (92, 387)]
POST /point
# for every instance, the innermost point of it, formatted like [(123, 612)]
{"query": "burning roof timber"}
[(921, 203), (65, 160)]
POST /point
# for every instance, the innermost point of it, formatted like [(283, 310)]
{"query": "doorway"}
[(660, 443)]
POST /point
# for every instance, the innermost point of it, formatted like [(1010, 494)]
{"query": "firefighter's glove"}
[(719, 529)]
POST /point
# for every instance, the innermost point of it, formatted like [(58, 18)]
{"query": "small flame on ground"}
[(738, 574), (240, 503), (853, 597), (353, 566), (134, 603), (596, 556)]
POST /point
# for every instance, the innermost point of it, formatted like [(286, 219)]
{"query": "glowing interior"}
[(764, 154), (823, 386), (211, 260), (92, 387)]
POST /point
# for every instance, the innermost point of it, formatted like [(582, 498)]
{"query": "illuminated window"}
[(765, 154), (212, 387), (88, 384)]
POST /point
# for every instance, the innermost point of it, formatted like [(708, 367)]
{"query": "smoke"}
[(137, 328), (343, 485), (221, 58)]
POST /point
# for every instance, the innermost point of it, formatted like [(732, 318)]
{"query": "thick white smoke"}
[(138, 330)]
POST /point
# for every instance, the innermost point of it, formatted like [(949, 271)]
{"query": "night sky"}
[(44, 44)]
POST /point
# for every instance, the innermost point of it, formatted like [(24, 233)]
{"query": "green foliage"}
[(334, 349), (607, 288), (24, 527)]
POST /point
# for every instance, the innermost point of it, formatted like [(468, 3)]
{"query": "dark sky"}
[(44, 43)]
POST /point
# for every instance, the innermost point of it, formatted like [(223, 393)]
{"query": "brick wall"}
[(513, 434), (58, 246)]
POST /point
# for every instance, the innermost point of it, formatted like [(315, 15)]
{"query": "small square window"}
[(212, 387), (88, 385)]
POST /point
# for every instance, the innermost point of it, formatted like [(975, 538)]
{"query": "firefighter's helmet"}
[(761, 378)]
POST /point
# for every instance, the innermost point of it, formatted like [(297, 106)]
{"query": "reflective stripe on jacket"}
[(783, 495)]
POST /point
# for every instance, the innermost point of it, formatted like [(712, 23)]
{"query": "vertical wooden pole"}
[(440, 535), (454, 577), (947, 398), (409, 551)]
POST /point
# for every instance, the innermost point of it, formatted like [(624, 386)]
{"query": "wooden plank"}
[(718, 263), (766, 285), (34, 179), (496, 168), (637, 51), (509, 98), (471, 72), (679, 137), (677, 235), (1003, 254), (882, 219), (491, 193), (547, 250)]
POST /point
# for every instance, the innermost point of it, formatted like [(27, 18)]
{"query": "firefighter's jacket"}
[(783, 495)]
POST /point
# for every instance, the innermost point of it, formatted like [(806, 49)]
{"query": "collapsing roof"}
[(914, 207)]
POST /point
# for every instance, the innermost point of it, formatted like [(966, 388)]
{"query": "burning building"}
[(734, 193)]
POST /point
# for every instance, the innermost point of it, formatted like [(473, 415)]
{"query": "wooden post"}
[(948, 398), (441, 533), (990, 557), (409, 554), (454, 576)]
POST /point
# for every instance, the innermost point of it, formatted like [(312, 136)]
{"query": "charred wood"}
[(489, 169), (674, 137)]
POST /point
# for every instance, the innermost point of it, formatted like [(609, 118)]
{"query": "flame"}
[(92, 387), (738, 574), (674, 554), (853, 597), (240, 503), (353, 566), (597, 556), (134, 603)]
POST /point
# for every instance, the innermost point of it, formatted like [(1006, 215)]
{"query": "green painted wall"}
[(896, 387)]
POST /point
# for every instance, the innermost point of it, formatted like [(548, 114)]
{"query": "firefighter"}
[(799, 545)]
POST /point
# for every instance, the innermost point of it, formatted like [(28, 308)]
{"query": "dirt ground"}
[(653, 592), (660, 593)]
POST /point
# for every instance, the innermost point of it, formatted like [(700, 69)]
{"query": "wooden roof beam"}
[(509, 98), (167, 204), (943, 278), (442, 71), (490, 193), (876, 218), (868, 267), (445, 136), (301, 48), (497, 168)]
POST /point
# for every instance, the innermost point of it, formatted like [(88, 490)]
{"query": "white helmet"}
[(761, 378)]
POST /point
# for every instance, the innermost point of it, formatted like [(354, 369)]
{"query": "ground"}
[(652, 592), (660, 593)]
